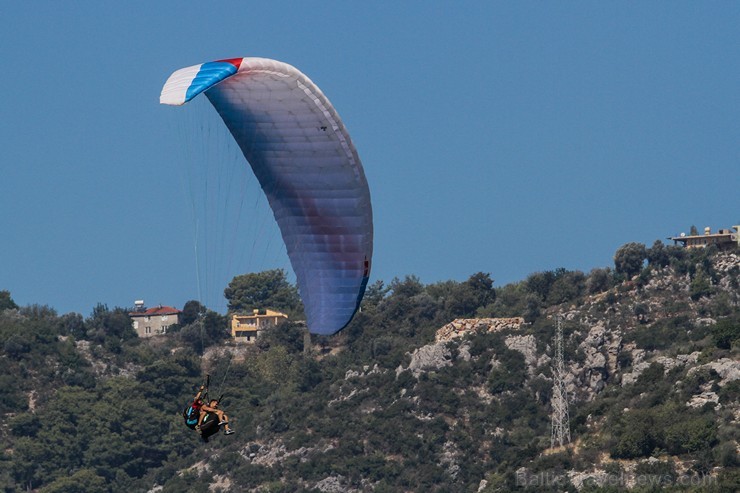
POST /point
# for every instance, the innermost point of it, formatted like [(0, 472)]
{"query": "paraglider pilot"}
[(212, 407), (192, 413), (197, 411)]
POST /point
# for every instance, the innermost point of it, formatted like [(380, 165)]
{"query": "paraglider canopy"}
[(309, 169)]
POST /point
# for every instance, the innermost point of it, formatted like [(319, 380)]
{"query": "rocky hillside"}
[(615, 337), (653, 391), (443, 387)]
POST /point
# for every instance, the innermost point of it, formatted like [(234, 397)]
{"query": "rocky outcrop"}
[(708, 397), (366, 371), (726, 261), (601, 349), (220, 483), (527, 345), (333, 484), (640, 364), (437, 355), (598, 477), (428, 358), (727, 369), (276, 452), (626, 477), (450, 459)]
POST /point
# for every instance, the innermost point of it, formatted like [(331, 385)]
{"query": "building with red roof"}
[(148, 322)]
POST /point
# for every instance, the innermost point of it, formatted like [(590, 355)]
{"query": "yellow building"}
[(246, 328)]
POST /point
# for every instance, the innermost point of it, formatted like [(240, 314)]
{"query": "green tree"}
[(286, 334), (110, 326), (16, 346), (700, 285), (690, 435), (569, 286), (6, 302), (74, 325), (375, 294), (463, 299), (599, 280), (658, 255), (636, 435), (24, 424), (510, 370), (29, 458), (191, 311), (208, 329), (481, 286), (540, 283), (275, 366), (268, 289), (406, 288), (629, 259), (84, 480), (14, 399), (726, 332)]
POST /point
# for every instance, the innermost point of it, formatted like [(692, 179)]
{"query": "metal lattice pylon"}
[(560, 430)]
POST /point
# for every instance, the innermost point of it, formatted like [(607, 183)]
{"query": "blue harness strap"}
[(191, 416)]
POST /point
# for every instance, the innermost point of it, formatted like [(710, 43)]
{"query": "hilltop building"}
[(725, 239), (246, 328), (148, 322)]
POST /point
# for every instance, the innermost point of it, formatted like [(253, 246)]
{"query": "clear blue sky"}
[(503, 137)]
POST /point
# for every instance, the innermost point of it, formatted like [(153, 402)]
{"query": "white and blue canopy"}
[(307, 166)]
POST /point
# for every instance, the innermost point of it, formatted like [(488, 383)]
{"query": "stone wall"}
[(461, 326)]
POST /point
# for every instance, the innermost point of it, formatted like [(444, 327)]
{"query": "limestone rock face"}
[(276, 452), (430, 357), (602, 330), (596, 336), (333, 484), (667, 363), (595, 361), (708, 397), (727, 369), (723, 264), (601, 349), (527, 345)]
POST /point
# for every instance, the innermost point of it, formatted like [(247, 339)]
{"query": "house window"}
[(164, 318), (136, 324), (148, 330)]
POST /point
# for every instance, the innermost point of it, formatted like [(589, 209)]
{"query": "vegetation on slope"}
[(90, 407)]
